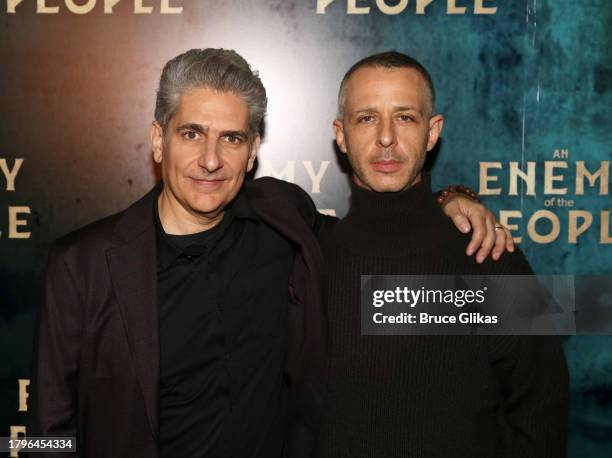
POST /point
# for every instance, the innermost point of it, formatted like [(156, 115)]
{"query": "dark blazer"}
[(96, 360)]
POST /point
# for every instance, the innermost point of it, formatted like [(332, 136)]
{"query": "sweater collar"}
[(392, 224), (408, 205)]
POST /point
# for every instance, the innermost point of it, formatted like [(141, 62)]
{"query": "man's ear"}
[(157, 141), (435, 127), (253, 150), (339, 132)]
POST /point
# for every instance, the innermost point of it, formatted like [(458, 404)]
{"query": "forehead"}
[(375, 86), (208, 106)]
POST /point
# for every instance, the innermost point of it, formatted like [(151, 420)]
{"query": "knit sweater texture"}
[(429, 396)]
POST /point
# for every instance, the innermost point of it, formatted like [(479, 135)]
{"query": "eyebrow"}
[(204, 130), (193, 126), (237, 133)]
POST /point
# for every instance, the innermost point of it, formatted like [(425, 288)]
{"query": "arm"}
[(304, 419), (533, 375), (534, 380), (305, 205), (468, 213), (306, 380), (54, 408), (317, 221)]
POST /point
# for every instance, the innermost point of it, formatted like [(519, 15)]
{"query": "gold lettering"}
[(421, 5), (316, 177), (42, 8), (604, 234), (109, 5), (550, 177), (16, 432), (574, 230), (11, 5), (529, 178), (554, 232), (15, 222), (10, 175), (322, 5), (287, 174), (602, 174), (504, 220), (479, 7), (391, 10), (453, 9), (80, 9), (352, 8), (485, 179), (167, 9), (23, 394), (139, 8)]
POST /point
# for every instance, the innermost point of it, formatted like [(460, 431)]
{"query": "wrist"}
[(445, 194)]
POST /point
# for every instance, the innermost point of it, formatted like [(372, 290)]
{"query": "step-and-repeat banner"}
[(525, 85)]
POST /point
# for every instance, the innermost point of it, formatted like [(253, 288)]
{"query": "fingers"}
[(509, 240), (488, 241), (501, 238), (453, 210), (462, 223), (479, 230), (503, 241)]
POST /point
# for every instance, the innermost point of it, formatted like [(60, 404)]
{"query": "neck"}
[(177, 220)]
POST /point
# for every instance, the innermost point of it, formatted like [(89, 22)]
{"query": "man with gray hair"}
[(190, 324)]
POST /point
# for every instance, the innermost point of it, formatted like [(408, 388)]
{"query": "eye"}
[(365, 118), (191, 135), (233, 139), (405, 118)]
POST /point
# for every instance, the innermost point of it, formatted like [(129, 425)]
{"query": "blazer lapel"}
[(133, 271)]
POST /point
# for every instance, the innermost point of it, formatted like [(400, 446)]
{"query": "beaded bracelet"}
[(443, 194)]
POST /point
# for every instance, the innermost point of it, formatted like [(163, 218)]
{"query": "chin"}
[(387, 185), (206, 205)]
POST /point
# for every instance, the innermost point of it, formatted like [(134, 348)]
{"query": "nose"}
[(386, 133), (209, 158)]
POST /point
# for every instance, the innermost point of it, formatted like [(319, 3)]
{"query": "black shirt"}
[(222, 297)]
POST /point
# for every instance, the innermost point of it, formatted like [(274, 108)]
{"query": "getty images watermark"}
[(485, 304)]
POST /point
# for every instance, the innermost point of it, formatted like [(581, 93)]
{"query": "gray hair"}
[(223, 70), (389, 59)]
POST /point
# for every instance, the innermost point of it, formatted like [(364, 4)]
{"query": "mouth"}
[(207, 184), (386, 166)]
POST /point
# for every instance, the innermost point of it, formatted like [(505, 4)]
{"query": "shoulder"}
[(273, 188), (112, 230), (455, 244), (273, 193), (96, 236)]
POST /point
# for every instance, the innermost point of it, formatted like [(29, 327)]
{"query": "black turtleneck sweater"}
[(429, 396)]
